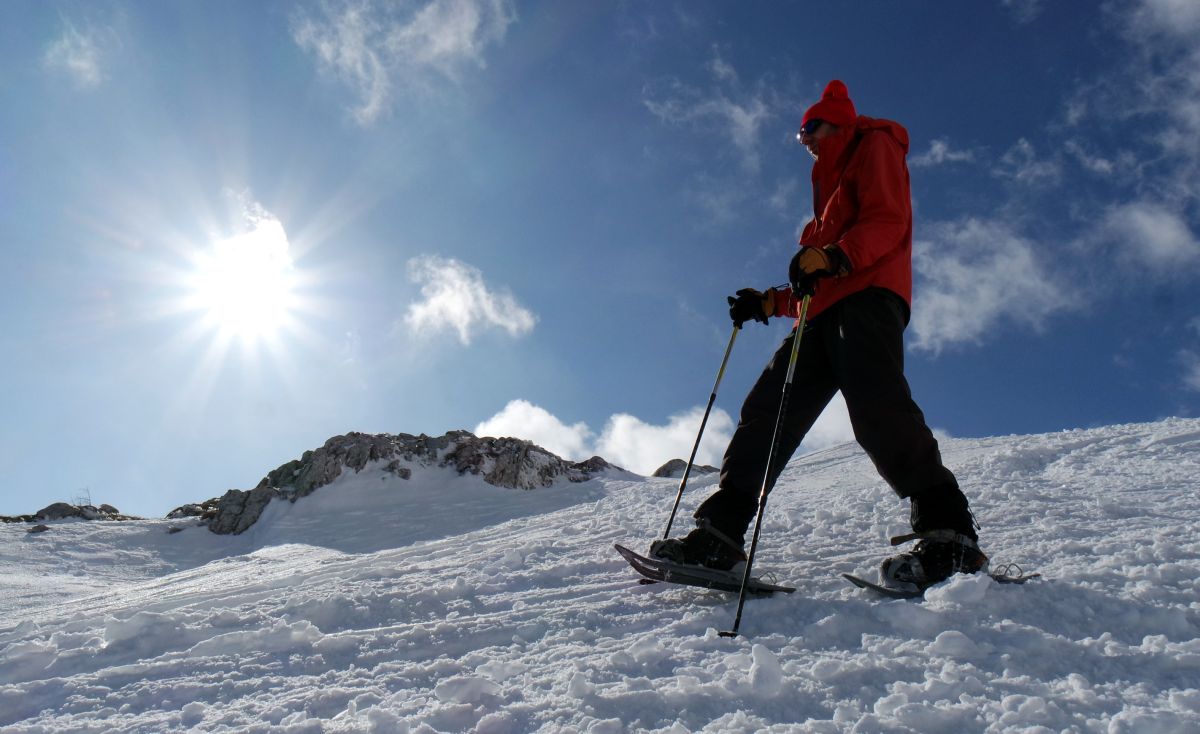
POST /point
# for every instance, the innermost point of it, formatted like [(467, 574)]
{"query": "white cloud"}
[(455, 297), (445, 34), (832, 427), (723, 70), (1152, 236), (1094, 163), (1023, 164), (380, 49), (78, 55), (522, 419), (1024, 11), (345, 44), (736, 115), (740, 122), (642, 447), (1172, 17), (976, 275), (940, 152), (1133, 213), (1156, 91), (626, 440)]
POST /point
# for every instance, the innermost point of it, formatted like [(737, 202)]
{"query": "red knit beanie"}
[(835, 106)]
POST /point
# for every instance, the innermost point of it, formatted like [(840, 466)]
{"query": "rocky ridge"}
[(675, 467), (65, 510), (503, 462)]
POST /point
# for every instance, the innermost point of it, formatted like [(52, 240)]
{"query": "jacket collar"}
[(835, 151), (832, 155)]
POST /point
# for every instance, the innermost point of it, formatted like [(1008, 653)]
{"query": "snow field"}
[(352, 614)]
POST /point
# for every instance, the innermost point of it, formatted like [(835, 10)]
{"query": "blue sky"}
[(233, 230)]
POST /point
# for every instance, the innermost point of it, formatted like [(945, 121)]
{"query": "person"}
[(855, 261)]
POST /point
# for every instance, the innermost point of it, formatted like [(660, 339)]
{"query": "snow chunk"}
[(385, 722), (500, 670), (766, 674), (141, 626), (498, 723), (954, 644), (580, 686), (25, 659), (961, 589), (279, 637), (193, 713), (465, 689)]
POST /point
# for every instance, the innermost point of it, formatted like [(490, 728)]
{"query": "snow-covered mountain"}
[(441, 603), (500, 462)]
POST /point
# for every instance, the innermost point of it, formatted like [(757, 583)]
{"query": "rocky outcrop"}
[(596, 465), (503, 462), (238, 510), (64, 511), (513, 463), (675, 468), (205, 510)]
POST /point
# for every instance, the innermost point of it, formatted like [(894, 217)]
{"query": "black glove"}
[(813, 263), (751, 304)]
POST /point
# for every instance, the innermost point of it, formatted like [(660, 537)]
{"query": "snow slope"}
[(443, 604)]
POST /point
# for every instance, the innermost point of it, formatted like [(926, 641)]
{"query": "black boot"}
[(939, 555), (943, 523), (705, 546)]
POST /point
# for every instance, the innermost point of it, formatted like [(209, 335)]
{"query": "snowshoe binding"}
[(939, 555), (705, 546)]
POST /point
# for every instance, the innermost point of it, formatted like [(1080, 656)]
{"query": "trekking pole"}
[(762, 495), (695, 447)]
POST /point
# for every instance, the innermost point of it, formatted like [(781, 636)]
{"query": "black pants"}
[(855, 346)]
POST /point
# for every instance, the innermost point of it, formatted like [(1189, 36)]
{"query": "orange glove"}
[(813, 263)]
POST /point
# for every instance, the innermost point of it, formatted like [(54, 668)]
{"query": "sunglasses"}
[(809, 128)]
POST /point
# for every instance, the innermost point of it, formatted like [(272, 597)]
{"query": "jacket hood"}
[(896, 130)]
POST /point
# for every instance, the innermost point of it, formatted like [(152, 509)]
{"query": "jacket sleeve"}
[(784, 304), (884, 203)]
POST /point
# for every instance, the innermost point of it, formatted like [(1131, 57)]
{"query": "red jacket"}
[(862, 204)]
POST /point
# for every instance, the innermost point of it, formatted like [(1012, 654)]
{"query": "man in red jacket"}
[(855, 260)]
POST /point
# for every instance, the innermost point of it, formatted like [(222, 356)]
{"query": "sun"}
[(245, 285)]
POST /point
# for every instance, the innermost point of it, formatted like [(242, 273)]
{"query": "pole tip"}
[(730, 633)]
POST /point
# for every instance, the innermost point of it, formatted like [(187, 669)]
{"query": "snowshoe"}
[(705, 546), (657, 569), (939, 555)]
